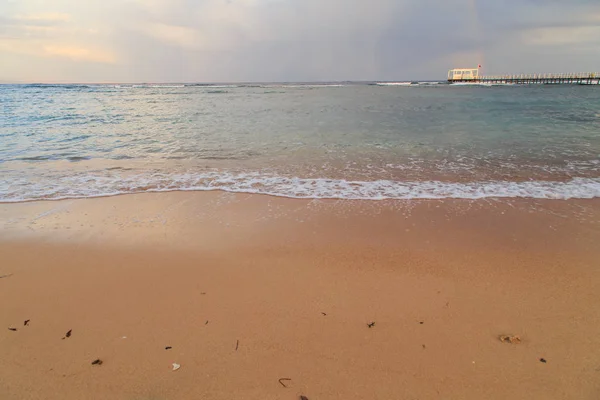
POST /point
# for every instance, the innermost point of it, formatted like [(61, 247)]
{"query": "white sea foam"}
[(154, 86), (472, 84), (393, 83), (487, 84), (311, 86), (217, 86), (86, 185)]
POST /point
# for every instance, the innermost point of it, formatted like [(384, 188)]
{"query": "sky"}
[(291, 40)]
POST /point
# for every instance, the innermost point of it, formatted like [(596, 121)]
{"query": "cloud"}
[(79, 54), (559, 36), (69, 52), (46, 33), (45, 17), (266, 40), (171, 34)]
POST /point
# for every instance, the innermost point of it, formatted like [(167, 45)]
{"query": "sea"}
[(366, 140)]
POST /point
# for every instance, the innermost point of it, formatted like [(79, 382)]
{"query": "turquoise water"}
[(311, 140)]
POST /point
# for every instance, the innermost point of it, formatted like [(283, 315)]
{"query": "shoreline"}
[(441, 279), (575, 188)]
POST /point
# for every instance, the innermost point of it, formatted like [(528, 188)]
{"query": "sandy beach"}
[(299, 200), (258, 297)]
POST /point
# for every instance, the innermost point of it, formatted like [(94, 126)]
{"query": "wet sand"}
[(293, 285)]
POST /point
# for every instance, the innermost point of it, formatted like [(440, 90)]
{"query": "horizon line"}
[(214, 82)]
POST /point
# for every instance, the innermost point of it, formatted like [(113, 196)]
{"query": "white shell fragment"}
[(176, 366)]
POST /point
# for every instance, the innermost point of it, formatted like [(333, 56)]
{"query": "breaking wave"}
[(101, 184)]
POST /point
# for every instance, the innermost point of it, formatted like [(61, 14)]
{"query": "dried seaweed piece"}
[(284, 379), (68, 334), (512, 339), (168, 348), (97, 362), (12, 329)]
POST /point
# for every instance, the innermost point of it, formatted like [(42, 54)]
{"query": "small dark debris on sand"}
[(26, 322), (6, 276), (303, 397), (543, 360), (371, 324), (168, 348), (206, 323), (68, 334), (512, 339), (424, 347), (97, 362), (284, 379), (421, 322), (12, 329), (324, 313), (237, 344)]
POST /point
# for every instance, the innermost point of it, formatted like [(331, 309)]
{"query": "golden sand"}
[(266, 298)]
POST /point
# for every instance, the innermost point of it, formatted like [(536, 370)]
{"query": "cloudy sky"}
[(291, 40)]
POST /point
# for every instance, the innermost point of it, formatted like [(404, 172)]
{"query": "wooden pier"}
[(585, 78)]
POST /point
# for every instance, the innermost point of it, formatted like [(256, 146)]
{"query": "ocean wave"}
[(101, 184), (33, 158), (143, 86), (485, 84), (210, 85), (55, 86), (393, 83), (265, 85), (413, 83), (311, 86)]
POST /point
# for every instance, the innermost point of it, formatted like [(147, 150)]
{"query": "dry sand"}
[(293, 284)]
